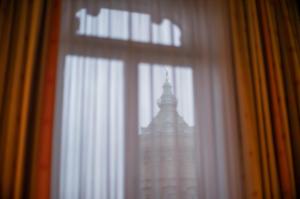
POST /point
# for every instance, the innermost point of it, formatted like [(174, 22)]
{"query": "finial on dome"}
[(167, 75), (167, 99)]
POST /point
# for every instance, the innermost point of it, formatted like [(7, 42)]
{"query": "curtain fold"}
[(24, 27), (265, 51), (288, 22), (42, 180)]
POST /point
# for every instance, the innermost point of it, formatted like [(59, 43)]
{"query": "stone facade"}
[(167, 163)]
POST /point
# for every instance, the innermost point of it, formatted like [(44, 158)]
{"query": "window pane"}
[(124, 25), (92, 128), (166, 137)]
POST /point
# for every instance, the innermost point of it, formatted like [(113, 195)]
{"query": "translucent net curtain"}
[(144, 103)]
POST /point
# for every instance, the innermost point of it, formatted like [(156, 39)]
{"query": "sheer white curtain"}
[(144, 103), (92, 144)]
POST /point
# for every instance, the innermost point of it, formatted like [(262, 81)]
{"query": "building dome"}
[(168, 99), (167, 120)]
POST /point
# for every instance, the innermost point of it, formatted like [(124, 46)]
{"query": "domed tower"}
[(167, 163)]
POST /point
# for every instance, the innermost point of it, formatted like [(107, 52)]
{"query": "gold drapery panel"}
[(24, 27), (265, 49)]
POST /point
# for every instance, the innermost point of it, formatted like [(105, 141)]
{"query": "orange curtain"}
[(265, 50), (24, 61), (44, 156)]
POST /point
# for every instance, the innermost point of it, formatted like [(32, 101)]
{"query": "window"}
[(126, 111)]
